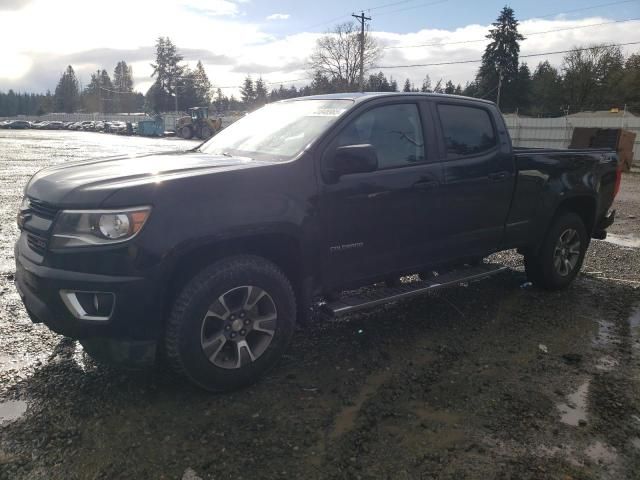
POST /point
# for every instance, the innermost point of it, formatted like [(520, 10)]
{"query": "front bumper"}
[(137, 314)]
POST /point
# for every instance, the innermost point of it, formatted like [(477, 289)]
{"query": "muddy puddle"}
[(11, 410), (629, 241), (346, 418), (574, 411)]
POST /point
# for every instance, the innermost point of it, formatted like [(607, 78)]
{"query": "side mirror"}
[(353, 159)]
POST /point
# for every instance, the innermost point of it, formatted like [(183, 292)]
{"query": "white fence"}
[(557, 132)]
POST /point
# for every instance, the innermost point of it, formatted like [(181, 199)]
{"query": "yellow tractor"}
[(198, 124)]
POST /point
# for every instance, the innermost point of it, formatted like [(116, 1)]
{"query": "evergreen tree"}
[(426, 85), (438, 88), (202, 85), (378, 83), (247, 92), (260, 92), (407, 86), (221, 102), (501, 59), (546, 89), (168, 72), (123, 84), (67, 93), (522, 89), (320, 84), (98, 95), (449, 88)]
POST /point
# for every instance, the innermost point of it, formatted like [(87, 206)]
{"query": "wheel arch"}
[(283, 249), (585, 206)]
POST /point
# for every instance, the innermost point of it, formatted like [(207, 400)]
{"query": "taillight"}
[(616, 187)]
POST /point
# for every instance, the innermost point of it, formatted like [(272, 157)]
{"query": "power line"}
[(459, 62), (580, 9), (428, 4), (527, 34), (393, 4)]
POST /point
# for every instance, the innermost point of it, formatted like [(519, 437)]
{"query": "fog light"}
[(89, 305)]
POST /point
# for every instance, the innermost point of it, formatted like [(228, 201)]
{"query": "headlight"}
[(24, 206), (82, 228)]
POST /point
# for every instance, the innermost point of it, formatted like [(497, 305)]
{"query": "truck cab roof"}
[(361, 97)]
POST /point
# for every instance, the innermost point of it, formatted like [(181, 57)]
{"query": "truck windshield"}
[(277, 132)]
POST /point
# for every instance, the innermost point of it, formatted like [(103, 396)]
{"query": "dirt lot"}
[(492, 380)]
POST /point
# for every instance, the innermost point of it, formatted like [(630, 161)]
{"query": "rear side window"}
[(466, 130), (394, 131)]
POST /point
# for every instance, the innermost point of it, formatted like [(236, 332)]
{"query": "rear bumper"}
[(600, 230), (137, 313)]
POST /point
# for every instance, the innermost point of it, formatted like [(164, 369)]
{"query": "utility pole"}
[(361, 18), (499, 87), (176, 97)]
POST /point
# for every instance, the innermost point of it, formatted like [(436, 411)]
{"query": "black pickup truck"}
[(210, 256)]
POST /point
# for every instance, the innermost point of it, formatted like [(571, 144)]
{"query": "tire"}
[(206, 133), (221, 333), (186, 132), (559, 259)]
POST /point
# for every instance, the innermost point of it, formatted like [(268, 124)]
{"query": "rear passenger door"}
[(478, 178)]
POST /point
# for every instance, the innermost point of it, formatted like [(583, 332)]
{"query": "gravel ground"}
[(492, 380)]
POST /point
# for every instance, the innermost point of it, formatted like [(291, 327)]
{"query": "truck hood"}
[(96, 179)]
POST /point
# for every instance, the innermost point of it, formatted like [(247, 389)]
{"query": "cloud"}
[(211, 7), (13, 4), (260, 69), (230, 47), (278, 16)]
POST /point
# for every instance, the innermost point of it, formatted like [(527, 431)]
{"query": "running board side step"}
[(372, 298)]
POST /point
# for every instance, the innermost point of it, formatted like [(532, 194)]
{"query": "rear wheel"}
[(231, 323), (559, 259), (186, 132)]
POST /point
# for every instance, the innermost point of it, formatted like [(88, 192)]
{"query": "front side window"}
[(279, 131), (466, 130), (395, 132)]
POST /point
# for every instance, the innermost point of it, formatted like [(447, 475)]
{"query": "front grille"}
[(37, 243), (42, 209)]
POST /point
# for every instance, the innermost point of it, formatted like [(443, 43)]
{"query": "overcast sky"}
[(234, 38)]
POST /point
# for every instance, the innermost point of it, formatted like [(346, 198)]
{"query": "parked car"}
[(215, 253), (3, 123), (67, 125), (55, 125), (18, 124), (118, 127)]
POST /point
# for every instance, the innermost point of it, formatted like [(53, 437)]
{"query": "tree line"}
[(102, 94), (591, 78)]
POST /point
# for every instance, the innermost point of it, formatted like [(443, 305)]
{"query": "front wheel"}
[(559, 259), (186, 132), (231, 323)]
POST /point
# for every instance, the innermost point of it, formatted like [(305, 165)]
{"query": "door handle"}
[(498, 176), (426, 184)]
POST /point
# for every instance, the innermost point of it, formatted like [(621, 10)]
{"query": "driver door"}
[(371, 217)]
